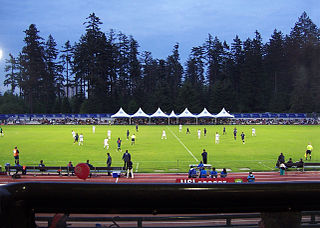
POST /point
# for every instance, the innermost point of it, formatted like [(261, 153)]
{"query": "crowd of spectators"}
[(164, 121)]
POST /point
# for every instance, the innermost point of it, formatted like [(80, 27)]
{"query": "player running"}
[(164, 135), (308, 151), (133, 139), (253, 132), (180, 128), (109, 134), (235, 133), (106, 143), (81, 139), (199, 133), (217, 138), (242, 137), (119, 144)]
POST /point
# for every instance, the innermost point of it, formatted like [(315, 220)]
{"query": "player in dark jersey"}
[(242, 137), (235, 133)]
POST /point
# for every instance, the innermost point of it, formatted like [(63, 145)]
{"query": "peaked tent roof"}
[(140, 114), (205, 114), (186, 113), (172, 115), (159, 114), (120, 114), (223, 114)]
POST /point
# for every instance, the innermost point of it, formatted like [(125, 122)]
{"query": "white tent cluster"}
[(160, 114)]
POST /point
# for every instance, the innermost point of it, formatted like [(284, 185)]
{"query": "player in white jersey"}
[(199, 133), (81, 139), (180, 128), (217, 138), (73, 134), (164, 135), (253, 132), (93, 129), (109, 134), (106, 143)]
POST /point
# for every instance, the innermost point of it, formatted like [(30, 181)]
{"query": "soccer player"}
[(73, 134), (137, 127), (133, 139), (308, 151), (80, 139), (205, 131), (119, 144), (93, 129), (180, 128), (164, 135), (199, 133), (242, 137), (106, 143), (253, 132), (16, 155), (1, 132), (76, 138), (224, 131), (235, 133), (109, 134), (128, 133), (217, 138), (188, 132)]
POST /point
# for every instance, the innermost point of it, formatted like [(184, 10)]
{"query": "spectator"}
[(129, 169), (192, 173), (109, 162), (201, 165), (90, 166), (300, 163), (203, 173), (16, 155), (282, 169), (223, 173), (42, 166), (280, 160), (70, 168), (126, 158), (251, 177), (214, 173), (289, 163)]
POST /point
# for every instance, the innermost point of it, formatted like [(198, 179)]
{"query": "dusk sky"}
[(156, 25)]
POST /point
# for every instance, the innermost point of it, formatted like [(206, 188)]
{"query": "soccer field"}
[(54, 145)]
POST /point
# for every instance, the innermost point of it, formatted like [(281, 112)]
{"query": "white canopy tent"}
[(159, 114), (186, 114), (205, 114), (120, 114), (224, 114), (140, 114), (173, 115)]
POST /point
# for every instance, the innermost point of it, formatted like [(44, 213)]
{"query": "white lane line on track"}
[(137, 167), (117, 180), (183, 145)]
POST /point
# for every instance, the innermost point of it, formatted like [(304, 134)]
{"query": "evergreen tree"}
[(12, 75), (33, 69), (66, 58)]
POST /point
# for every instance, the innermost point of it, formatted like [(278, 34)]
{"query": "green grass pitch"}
[(54, 145)]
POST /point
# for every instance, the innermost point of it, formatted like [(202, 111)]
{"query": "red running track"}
[(163, 177)]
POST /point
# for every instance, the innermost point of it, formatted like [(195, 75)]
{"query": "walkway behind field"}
[(164, 177)]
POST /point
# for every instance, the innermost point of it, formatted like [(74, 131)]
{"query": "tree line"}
[(105, 70)]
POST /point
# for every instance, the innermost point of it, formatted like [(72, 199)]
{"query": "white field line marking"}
[(183, 145), (265, 165), (137, 167)]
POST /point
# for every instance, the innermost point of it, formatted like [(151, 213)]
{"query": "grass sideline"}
[(54, 145)]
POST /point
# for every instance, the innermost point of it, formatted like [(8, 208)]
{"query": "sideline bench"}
[(206, 166), (305, 166), (311, 166), (62, 170)]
